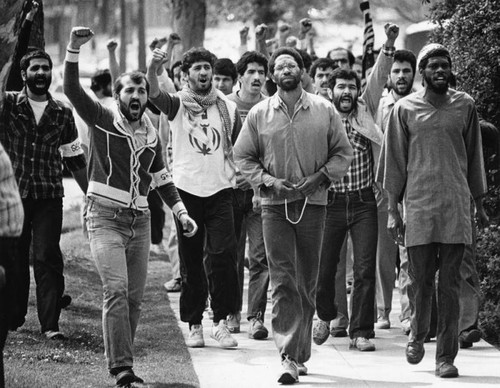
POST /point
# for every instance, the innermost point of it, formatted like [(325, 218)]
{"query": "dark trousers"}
[(42, 227), (157, 216), (249, 222), (214, 217), (355, 212), (8, 290), (423, 260)]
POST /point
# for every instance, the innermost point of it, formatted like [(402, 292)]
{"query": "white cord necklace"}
[(301, 213)]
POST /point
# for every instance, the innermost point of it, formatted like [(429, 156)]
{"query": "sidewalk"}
[(256, 364)]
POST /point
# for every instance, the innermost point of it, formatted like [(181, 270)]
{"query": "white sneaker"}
[(221, 334), (383, 323), (195, 337), (290, 373)]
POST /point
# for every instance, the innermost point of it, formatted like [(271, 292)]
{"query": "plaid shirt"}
[(11, 207), (360, 173), (38, 150)]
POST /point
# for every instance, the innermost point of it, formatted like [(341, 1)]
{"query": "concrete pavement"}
[(256, 364)]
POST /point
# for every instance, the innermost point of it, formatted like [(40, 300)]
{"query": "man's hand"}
[(112, 45), (392, 32), (257, 203), (305, 27), (291, 41), (79, 36), (310, 184), (283, 188), (159, 57), (395, 226), (173, 39), (244, 35), (481, 217), (34, 9), (188, 224), (285, 29), (261, 32), (241, 183)]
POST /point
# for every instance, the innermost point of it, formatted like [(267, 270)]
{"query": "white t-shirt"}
[(38, 108), (197, 168)]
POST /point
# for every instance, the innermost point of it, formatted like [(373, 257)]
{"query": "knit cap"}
[(432, 50)]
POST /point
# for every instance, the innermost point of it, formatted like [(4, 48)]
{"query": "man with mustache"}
[(252, 71), (39, 135), (352, 207), (291, 148), (432, 156), (400, 81), (125, 159), (320, 71), (204, 125)]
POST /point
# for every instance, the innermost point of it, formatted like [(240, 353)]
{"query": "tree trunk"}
[(123, 36), (189, 21), (9, 13), (141, 34)]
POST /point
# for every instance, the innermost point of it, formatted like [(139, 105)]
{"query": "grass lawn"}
[(161, 357)]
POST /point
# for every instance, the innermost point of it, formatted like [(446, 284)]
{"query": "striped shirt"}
[(360, 173), (11, 207), (37, 151)]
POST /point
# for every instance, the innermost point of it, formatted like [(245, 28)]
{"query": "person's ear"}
[(330, 93), (23, 75)]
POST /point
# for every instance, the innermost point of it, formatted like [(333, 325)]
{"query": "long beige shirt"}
[(274, 145), (434, 156)]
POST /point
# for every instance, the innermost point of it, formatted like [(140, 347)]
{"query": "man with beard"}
[(400, 82), (320, 71), (124, 160), (291, 148), (252, 71), (39, 135), (204, 125), (352, 207), (432, 155)]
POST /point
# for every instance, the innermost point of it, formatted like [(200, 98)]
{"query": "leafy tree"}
[(471, 31)]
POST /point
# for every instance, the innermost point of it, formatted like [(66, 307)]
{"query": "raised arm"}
[(260, 39), (378, 77), (85, 106), (114, 67), (243, 48), (163, 100)]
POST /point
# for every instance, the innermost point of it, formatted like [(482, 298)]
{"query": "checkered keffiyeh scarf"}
[(195, 104)]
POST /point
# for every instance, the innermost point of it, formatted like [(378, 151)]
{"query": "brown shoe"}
[(446, 370), (414, 352)]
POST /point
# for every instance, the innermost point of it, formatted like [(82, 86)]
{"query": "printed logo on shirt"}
[(211, 133)]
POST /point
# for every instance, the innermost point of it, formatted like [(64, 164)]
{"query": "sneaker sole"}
[(258, 335), (200, 345), (287, 379)]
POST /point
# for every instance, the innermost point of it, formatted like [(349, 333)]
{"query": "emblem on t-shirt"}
[(212, 133)]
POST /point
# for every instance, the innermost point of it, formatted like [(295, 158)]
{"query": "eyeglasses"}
[(289, 65)]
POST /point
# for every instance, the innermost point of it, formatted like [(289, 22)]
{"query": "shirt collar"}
[(23, 99), (304, 101)]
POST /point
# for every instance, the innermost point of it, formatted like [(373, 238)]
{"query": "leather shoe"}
[(446, 370), (127, 377), (468, 337), (414, 352)]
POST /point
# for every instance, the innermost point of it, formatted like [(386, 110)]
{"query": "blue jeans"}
[(293, 253), (258, 270), (41, 228), (423, 261), (355, 212), (214, 216), (119, 243)]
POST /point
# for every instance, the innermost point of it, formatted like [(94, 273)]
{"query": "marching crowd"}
[(283, 152)]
